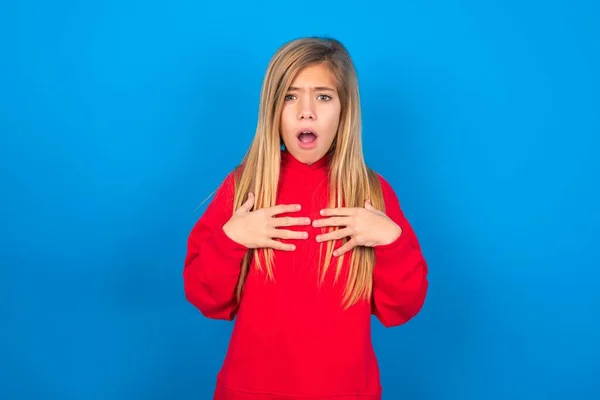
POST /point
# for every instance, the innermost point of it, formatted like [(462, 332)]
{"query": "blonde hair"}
[(350, 180)]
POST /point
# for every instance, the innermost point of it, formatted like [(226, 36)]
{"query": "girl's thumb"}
[(250, 202)]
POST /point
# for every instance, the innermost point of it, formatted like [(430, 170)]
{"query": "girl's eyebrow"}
[(320, 88)]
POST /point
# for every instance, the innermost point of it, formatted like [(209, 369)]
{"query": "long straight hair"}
[(351, 182)]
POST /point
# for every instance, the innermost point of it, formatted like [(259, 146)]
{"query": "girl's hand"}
[(365, 226), (260, 228)]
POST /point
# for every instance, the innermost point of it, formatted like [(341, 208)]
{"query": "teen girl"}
[(302, 244)]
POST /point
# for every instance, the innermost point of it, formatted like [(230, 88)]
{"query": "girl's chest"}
[(312, 197), (304, 262)]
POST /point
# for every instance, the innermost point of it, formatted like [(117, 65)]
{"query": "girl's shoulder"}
[(382, 185), (229, 180), (380, 180), (225, 189)]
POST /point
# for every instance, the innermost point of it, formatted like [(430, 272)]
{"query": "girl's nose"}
[(307, 114)]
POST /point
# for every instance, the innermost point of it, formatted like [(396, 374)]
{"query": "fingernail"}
[(335, 253)]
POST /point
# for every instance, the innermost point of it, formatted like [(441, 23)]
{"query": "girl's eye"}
[(323, 97)]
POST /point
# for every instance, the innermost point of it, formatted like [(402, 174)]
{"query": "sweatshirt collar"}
[(289, 162)]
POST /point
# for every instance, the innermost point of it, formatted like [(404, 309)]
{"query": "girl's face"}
[(311, 114)]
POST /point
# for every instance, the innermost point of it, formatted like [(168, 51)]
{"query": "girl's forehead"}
[(314, 76)]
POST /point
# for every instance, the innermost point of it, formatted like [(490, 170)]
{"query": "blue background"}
[(118, 118)]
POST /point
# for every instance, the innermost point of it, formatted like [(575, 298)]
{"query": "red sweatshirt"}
[(291, 339)]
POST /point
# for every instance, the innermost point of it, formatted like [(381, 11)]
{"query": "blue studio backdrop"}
[(118, 118)]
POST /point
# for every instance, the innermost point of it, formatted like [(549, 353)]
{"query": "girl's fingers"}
[(283, 208), (332, 221), (288, 234), (335, 235), (290, 221), (342, 211), (274, 244), (247, 206), (349, 245)]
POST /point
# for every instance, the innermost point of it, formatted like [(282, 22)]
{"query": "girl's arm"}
[(400, 272), (213, 261)]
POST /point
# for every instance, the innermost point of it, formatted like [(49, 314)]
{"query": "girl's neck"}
[(289, 161)]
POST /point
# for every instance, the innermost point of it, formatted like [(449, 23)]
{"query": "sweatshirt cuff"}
[(227, 247), (394, 251)]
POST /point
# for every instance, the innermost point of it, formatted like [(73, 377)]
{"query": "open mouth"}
[(307, 137)]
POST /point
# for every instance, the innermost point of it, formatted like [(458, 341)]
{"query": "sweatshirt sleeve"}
[(213, 261), (400, 272)]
